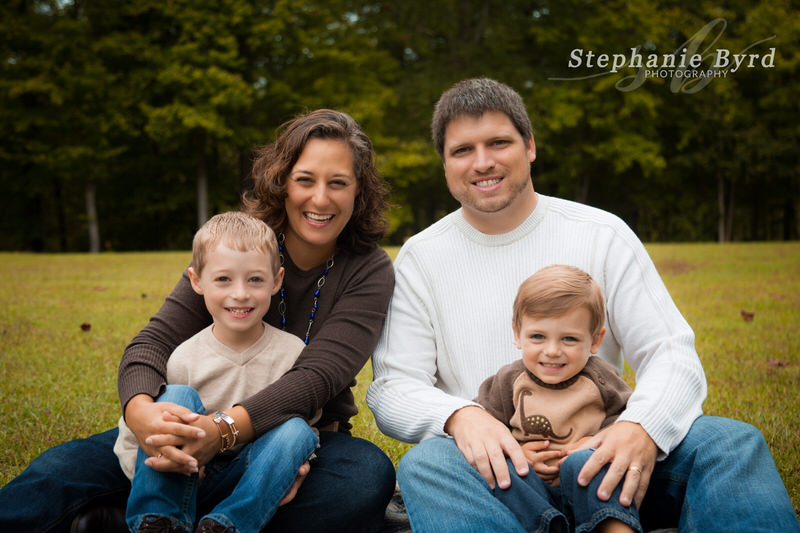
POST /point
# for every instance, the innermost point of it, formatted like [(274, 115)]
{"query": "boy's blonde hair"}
[(557, 290), (238, 231)]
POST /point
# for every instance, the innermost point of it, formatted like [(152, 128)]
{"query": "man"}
[(446, 331)]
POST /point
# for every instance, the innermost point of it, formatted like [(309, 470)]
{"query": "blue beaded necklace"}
[(320, 283)]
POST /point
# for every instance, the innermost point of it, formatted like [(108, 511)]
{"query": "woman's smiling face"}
[(320, 195)]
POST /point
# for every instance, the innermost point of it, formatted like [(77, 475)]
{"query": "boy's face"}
[(554, 349), (237, 288)]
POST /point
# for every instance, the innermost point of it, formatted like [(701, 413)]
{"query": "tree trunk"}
[(720, 208), (583, 193), (245, 168), (430, 215), (61, 217), (731, 203), (202, 182), (91, 217)]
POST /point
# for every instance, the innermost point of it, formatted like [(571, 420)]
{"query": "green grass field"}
[(59, 381)]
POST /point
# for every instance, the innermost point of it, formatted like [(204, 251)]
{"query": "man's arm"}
[(404, 398), (658, 344)]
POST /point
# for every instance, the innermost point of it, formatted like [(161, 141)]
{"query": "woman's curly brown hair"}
[(274, 163)]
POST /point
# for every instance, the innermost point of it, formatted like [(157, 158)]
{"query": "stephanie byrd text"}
[(722, 59)]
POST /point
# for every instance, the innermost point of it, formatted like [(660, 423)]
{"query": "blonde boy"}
[(555, 397), (236, 268)]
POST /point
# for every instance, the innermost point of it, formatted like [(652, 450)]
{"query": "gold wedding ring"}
[(635, 469)]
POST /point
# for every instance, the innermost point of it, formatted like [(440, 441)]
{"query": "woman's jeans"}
[(540, 508), (721, 478), (350, 483), (248, 485)]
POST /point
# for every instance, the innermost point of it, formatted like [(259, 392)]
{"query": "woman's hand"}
[(160, 424), (538, 456), (177, 454)]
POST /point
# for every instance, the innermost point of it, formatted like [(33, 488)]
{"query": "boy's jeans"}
[(248, 486), (721, 478)]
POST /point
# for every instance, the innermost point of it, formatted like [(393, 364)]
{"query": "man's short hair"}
[(238, 231), (558, 290), (473, 98)]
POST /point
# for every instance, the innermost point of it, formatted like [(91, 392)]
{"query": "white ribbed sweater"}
[(449, 322)]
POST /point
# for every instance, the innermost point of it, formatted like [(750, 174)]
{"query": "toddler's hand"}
[(538, 456)]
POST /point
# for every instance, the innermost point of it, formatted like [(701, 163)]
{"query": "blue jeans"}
[(251, 483), (540, 508), (350, 483), (721, 478)]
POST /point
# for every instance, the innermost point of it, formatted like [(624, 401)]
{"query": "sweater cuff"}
[(442, 415), (667, 434)]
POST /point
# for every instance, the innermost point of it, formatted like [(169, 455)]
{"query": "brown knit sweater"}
[(352, 307), (561, 413)]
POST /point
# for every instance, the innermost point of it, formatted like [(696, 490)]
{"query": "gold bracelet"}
[(222, 437), (230, 437)]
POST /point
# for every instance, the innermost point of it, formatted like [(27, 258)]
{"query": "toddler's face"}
[(554, 349)]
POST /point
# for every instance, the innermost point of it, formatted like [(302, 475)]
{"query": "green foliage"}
[(60, 381), (147, 98)]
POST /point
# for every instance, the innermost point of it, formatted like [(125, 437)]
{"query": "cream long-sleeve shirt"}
[(449, 322), (220, 375)]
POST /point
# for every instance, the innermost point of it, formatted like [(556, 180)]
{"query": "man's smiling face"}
[(487, 166)]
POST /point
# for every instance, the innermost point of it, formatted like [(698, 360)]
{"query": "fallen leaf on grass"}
[(747, 316)]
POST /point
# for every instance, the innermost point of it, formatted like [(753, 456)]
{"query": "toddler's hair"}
[(557, 290), (238, 231)]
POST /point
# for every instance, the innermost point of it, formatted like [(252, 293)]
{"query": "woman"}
[(318, 188)]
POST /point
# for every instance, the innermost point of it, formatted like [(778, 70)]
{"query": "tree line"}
[(125, 123)]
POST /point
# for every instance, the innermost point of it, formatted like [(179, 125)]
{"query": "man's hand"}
[(538, 456), (632, 454), (485, 443)]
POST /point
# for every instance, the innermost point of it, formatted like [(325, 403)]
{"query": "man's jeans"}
[(247, 486), (347, 490), (721, 478)]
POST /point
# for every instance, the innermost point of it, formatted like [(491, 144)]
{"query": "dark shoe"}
[(159, 524), (396, 520), (208, 525), (105, 519)]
